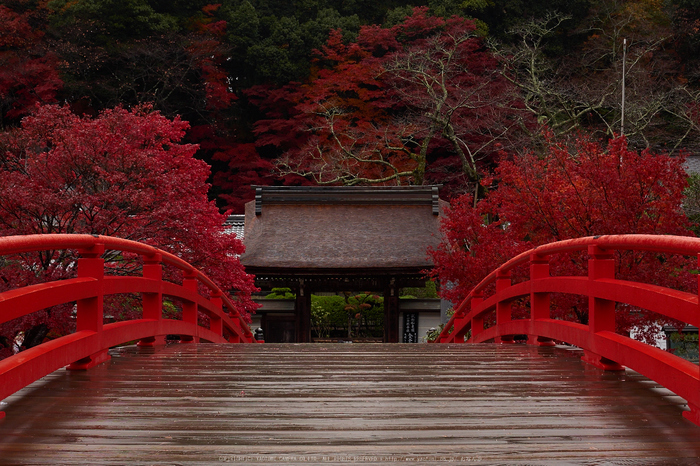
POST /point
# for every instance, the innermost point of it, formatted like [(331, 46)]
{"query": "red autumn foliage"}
[(28, 73), (210, 55), (418, 102), (124, 173), (571, 190), (244, 169), (243, 162)]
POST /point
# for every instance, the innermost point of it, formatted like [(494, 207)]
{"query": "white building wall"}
[(426, 320)]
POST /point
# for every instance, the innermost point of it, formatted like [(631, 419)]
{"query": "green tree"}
[(361, 309), (321, 323), (503, 15), (112, 20), (280, 293)]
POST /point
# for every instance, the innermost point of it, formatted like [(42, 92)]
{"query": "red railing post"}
[(216, 324), (539, 302), (90, 311), (234, 315), (694, 414), (504, 309), (477, 323), (601, 312), (460, 327), (189, 308), (153, 302)]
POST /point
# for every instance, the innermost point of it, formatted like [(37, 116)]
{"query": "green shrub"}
[(281, 293)]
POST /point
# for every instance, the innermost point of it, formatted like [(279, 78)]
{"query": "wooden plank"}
[(346, 403)]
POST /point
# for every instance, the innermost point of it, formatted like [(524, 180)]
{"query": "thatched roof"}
[(341, 228)]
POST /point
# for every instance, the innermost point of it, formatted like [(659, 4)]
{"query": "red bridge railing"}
[(92, 339), (601, 345)]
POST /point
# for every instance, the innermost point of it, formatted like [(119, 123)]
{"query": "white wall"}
[(426, 320)]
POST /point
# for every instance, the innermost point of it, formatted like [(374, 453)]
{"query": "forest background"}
[(261, 81)]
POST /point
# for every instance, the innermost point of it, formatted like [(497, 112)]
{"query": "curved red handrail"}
[(89, 344), (602, 346)]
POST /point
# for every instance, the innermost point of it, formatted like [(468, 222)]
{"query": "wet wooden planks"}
[(346, 403)]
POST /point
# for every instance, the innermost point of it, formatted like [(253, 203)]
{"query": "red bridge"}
[(474, 404), (89, 344), (601, 345)]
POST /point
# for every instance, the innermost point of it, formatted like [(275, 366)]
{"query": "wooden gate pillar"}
[(303, 313), (391, 312)]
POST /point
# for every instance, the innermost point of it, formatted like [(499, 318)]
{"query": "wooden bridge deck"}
[(340, 404)]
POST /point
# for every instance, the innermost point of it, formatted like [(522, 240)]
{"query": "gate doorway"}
[(279, 328)]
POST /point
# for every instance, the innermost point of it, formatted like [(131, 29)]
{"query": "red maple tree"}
[(124, 173), (210, 54), (28, 72), (573, 189), (246, 160), (420, 102)]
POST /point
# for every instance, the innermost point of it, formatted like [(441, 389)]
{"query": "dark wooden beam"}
[(347, 195), (337, 279)]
